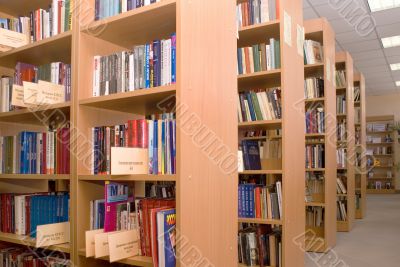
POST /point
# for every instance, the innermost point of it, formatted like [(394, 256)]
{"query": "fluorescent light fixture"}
[(398, 83), (393, 41), (379, 5), (395, 66)]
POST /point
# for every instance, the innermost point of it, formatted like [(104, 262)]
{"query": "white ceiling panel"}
[(341, 25), (370, 62), (317, 2), (389, 16), (308, 13), (358, 47), (388, 30), (394, 59), (394, 51), (374, 68), (350, 37), (368, 55), (328, 12)]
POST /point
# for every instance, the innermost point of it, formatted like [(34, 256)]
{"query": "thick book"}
[(251, 155), (166, 232), (115, 194)]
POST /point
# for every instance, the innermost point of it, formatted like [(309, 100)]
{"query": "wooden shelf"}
[(315, 204), (341, 88), (28, 241), (341, 195), (158, 20), (35, 176), (58, 48), (260, 221), (313, 69), (137, 177), (254, 172), (382, 132), (315, 169), (260, 125), (255, 138), (258, 33), (380, 144), (259, 79), (341, 115), (35, 115), (381, 191), (22, 7), (141, 261), (381, 178), (140, 101), (315, 135), (314, 100)]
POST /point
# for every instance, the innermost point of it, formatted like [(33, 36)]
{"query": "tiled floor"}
[(373, 242)]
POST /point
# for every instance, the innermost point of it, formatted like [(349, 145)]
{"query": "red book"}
[(133, 140), (59, 16), (247, 59), (143, 133), (277, 9), (257, 193), (27, 215)]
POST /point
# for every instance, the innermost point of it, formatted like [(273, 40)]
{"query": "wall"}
[(386, 105)]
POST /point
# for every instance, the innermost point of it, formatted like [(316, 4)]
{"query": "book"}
[(313, 87), (313, 52), (251, 155), (315, 216), (166, 237), (116, 195), (315, 120), (315, 156), (341, 187), (340, 78), (109, 8), (251, 12)]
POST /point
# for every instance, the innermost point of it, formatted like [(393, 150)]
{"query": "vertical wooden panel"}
[(206, 194)]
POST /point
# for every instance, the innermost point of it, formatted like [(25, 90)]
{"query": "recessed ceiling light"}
[(393, 41), (379, 5), (395, 66), (398, 83)]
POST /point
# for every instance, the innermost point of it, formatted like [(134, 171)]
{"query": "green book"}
[(256, 106), (67, 15), (277, 49)]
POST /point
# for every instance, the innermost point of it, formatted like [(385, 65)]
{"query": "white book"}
[(240, 161), (52, 153), (131, 72), (246, 108), (54, 10), (48, 137), (96, 76), (159, 142), (1, 153), (163, 74), (268, 56), (123, 55), (168, 50), (264, 11), (38, 149), (279, 192), (151, 145), (272, 52), (147, 2), (91, 215), (260, 101), (124, 6), (239, 110)]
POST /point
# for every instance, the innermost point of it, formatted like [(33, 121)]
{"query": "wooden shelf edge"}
[(258, 74), (140, 261), (33, 109), (36, 176), (252, 172), (27, 241), (259, 25), (136, 177), (260, 221)]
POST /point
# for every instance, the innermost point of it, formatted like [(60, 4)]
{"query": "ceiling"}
[(367, 51)]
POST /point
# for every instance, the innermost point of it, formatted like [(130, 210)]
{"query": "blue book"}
[(147, 66), (240, 201), (156, 63), (155, 148), (239, 60), (96, 150), (251, 155), (166, 233), (252, 213), (173, 58), (251, 107)]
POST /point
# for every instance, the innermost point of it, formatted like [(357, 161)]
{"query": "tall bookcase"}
[(344, 62), (360, 139), (381, 166), (320, 238), (204, 97), (290, 79), (38, 119)]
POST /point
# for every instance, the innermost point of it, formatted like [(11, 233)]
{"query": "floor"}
[(373, 242)]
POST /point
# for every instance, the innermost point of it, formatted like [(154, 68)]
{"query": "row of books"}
[(251, 152), (313, 52), (263, 133), (340, 185), (157, 135), (341, 212), (315, 120), (357, 115), (313, 88), (18, 255), (261, 202), (22, 213), (357, 95), (379, 139), (341, 157), (315, 216), (341, 104), (108, 8), (252, 12), (315, 156), (380, 150), (379, 185), (259, 245), (373, 174), (260, 105), (357, 135), (341, 132), (315, 185), (146, 66), (340, 78), (259, 57), (378, 127), (36, 152), (43, 23)]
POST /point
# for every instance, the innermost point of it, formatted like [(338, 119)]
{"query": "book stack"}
[(6, 84), (314, 185), (340, 78), (341, 213), (259, 105), (357, 94), (108, 8), (378, 127), (251, 154), (315, 156), (341, 130), (36, 152), (341, 104), (313, 52), (158, 135), (20, 24), (341, 157), (315, 120), (259, 57), (15, 255), (146, 66), (357, 115), (22, 213), (250, 12), (260, 245), (313, 88), (315, 216), (340, 186), (261, 202)]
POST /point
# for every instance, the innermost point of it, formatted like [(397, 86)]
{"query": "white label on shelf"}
[(287, 26), (89, 241), (101, 245), (18, 96), (300, 40), (328, 69), (123, 245), (30, 93), (129, 160), (50, 93), (52, 234)]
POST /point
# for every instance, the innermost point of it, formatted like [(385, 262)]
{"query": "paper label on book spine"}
[(300, 40), (123, 245), (18, 96), (89, 241), (52, 234), (30, 93), (129, 160), (101, 245), (287, 28), (50, 93), (328, 69)]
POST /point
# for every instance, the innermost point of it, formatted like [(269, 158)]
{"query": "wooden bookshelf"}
[(31, 242), (290, 79), (378, 174), (344, 62), (360, 128), (320, 30)]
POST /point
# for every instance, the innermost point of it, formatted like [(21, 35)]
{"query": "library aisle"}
[(374, 242)]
